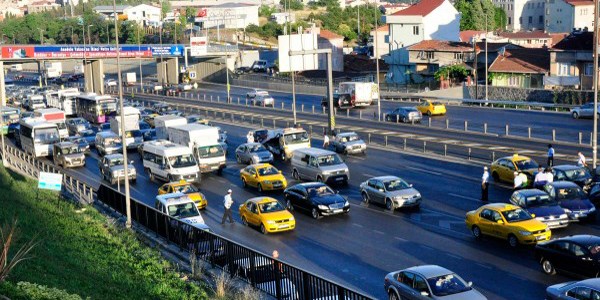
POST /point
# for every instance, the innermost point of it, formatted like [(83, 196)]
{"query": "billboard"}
[(297, 42), (198, 46), (90, 51)]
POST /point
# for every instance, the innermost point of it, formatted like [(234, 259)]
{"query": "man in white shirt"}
[(325, 141), (540, 179), (227, 203), (549, 175), (250, 137), (485, 184), (520, 180), (581, 161)]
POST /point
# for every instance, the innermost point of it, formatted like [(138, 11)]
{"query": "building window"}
[(541, 20), (564, 69), (513, 81), (509, 20), (530, 19), (547, 11), (589, 69), (458, 56), (429, 54), (416, 30)]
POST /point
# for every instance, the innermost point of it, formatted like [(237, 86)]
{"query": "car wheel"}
[(238, 158), (296, 175), (244, 221), (513, 241), (392, 296), (389, 205), (288, 205), (315, 213), (365, 197), (496, 177), (319, 178), (547, 267), (476, 232), (263, 230), (575, 115), (151, 175), (260, 188), (244, 184)]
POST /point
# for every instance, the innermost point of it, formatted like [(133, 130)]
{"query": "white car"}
[(255, 92), (185, 87), (111, 82), (263, 100)]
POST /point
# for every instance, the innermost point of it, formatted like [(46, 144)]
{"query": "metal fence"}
[(263, 272)]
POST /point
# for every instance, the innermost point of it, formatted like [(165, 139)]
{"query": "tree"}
[(500, 18), (190, 13), (293, 4), (456, 72), (265, 11), (474, 12), (166, 7)]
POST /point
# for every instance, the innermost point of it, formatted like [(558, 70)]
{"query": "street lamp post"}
[(139, 51), (595, 129), (376, 52), (126, 162), (41, 36), (89, 34)]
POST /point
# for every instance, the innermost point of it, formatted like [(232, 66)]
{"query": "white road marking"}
[(426, 247), (379, 232), (454, 256), (424, 171), (464, 197), (400, 239), (484, 266), (368, 175), (357, 225)]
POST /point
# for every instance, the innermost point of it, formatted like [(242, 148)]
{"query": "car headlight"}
[(418, 195), (267, 182), (326, 173), (255, 157), (568, 211), (270, 222), (592, 209), (346, 203), (115, 173), (323, 207), (563, 216), (291, 218), (524, 232)]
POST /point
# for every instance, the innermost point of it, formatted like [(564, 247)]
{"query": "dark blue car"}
[(316, 198), (572, 198), (538, 203)]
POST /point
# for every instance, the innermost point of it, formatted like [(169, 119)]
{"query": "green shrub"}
[(31, 291)]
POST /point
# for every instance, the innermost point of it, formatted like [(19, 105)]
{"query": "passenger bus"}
[(10, 119), (36, 136), (96, 108), (56, 116), (64, 100)]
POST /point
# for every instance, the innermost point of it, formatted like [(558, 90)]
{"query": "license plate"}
[(339, 179), (284, 226), (214, 168), (277, 185), (336, 211), (541, 237), (552, 223)]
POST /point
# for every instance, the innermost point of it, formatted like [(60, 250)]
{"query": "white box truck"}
[(204, 142), (56, 116), (53, 69), (161, 123), (130, 78), (361, 93), (133, 135)]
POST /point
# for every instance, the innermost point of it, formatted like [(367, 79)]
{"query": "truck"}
[(56, 116), (130, 78), (361, 93), (204, 142), (33, 102), (283, 141), (133, 135), (161, 123), (53, 69)]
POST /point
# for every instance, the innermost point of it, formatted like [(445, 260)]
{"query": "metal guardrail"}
[(265, 273)]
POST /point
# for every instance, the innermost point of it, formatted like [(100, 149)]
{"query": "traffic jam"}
[(177, 150)]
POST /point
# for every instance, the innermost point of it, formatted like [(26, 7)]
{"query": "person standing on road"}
[(485, 184), (250, 137), (540, 179), (518, 181), (325, 140), (550, 155), (581, 161), (227, 203)]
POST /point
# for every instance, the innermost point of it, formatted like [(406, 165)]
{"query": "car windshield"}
[(182, 161), (349, 138), (115, 162), (77, 121), (578, 174), (516, 215), (144, 125), (437, 103), (319, 191), (570, 193), (71, 150), (540, 200), (88, 133), (46, 135), (269, 207), (447, 285), (211, 151), (112, 141), (257, 148), (192, 120), (296, 138), (329, 160), (395, 185), (266, 171), (186, 189), (526, 164), (61, 125), (183, 210)]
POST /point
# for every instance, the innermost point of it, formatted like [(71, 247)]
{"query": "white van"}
[(169, 162), (16, 68)]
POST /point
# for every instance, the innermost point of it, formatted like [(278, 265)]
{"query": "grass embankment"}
[(81, 252)]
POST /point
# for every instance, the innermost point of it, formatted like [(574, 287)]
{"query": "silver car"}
[(263, 100), (429, 282), (77, 125), (68, 155), (585, 289), (404, 115), (584, 111), (348, 143), (112, 169), (391, 191), (253, 153)]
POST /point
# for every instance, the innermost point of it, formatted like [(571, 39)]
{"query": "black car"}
[(580, 175), (577, 255), (316, 198), (339, 101)]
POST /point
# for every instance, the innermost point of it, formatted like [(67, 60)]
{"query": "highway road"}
[(360, 248)]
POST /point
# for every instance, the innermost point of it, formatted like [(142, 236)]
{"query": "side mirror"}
[(106, 165), (424, 293), (470, 283), (410, 185), (500, 222), (533, 215), (279, 172), (131, 162), (337, 192)]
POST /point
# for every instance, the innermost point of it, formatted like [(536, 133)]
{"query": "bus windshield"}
[(107, 107), (210, 151), (45, 135), (182, 161), (296, 138)]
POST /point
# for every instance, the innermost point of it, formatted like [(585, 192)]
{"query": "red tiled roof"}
[(525, 60), (437, 45), (538, 34), (329, 35), (579, 2), (423, 8), (384, 28), (557, 37), (466, 35)]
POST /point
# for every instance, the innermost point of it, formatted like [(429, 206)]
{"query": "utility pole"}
[(595, 129), (376, 52), (486, 60), (289, 25), (126, 162), (139, 50), (85, 60), (89, 34)]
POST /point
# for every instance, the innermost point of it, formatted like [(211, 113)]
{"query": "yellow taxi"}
[(432, 108), (268, 214), (507, 221), (186, 188), (503, 168), (264, 177)]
